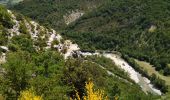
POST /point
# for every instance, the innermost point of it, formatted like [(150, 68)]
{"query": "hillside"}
[(137, 28), (33, 56), (56, 13)]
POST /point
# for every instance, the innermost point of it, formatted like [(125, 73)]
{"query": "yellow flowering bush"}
[(91, 93), (29, 95)]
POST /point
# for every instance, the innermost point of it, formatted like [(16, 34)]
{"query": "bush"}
[(167, 70), (5, 18), (159, 83), (92, 94), (13, 47), (3, 36), (23, 29), (29, 95)]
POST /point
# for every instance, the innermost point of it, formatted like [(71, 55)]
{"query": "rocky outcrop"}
[(72, 16)]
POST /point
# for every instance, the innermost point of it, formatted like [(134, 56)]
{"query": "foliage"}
[(138, 28), (78, 71), (167, 70), (17, 74), (22, 42), (5, 18), (92, 94), (29, 95), (157, 82), (109, 65), (3, 36), (51, 12), (41, 71), (124, 26), (23, 29), (49, 74), (132, 62)]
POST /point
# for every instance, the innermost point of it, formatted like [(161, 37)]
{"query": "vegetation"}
[(138, 28), (29, 94), (92, 94), (5, 23), (157, 82), (3, 36), (77, 72), (108, 64), (5, 18), (23, 29), (23, 42), (151, 71), (50, 13), (49, 75), (52, 77), (40, 71)]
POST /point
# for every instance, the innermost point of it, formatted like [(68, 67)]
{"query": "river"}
[(144, 82)]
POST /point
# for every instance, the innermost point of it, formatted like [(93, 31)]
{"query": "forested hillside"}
[(137, 28), (51, 12), (32, 57)]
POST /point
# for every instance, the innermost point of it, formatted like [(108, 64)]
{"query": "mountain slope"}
[(33, 58), (138, 28), (55, 13)]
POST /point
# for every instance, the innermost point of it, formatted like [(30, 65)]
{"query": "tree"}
[(92, 94), (18, 72), (5, 18), (167, 70), (116, 91)]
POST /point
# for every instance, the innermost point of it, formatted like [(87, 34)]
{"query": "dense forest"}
[(50, 12)]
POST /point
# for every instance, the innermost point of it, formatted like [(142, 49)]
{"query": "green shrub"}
[(5, 18), (23, 29)]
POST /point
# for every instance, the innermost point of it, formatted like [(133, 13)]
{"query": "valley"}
[(61, 46), (37, 47)]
